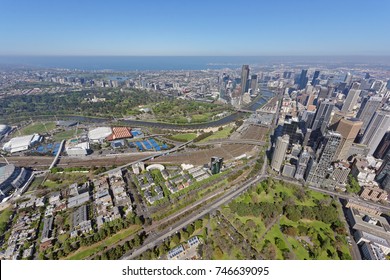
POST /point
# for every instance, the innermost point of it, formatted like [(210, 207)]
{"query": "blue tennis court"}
[(147, 145), (139, 145)]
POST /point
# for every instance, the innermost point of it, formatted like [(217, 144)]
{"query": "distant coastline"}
[(170, 63)]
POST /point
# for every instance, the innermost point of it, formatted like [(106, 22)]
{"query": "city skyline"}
[(201, 29)]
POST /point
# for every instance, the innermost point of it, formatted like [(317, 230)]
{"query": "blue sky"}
[(158, 27)]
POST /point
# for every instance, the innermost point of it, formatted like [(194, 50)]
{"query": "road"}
[(227, 197), (383, 208)]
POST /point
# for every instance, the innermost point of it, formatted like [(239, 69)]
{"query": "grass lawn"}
[(67, 134), (275, 232), (4, 217), (220, 134), (85, 252), (61, 238), (35, 183), (38, 127), (300, 252), (184, 137), (200, 118), (50, 184)]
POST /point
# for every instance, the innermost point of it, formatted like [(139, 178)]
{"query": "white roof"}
[(3, 128), (99, 133), (20, 143)]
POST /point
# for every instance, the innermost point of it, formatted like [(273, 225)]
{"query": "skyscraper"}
[(302, 81), (290, 127), (348, 129), (351, 99), (376, 129), (319, 171), (315, 77), (383, 175), (302, 164), (322, 117), (369, 106), (254, 84), (383, 147), (280, 152), (244, 79), (348, 79)]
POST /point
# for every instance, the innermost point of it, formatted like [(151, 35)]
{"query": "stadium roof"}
[(99, 133), (6, 171), (3, 128), (120, 133)]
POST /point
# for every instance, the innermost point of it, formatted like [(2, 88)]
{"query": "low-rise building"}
[(354, 204), (78, 200), (374, 193)]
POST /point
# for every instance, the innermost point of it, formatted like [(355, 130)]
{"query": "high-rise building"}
[(376, 129), (369, 106), (315, 77), (348, 129), (280, 152), (383, 174), (216, 165), (322, 117), (321, 170), (244, 79), (302, 81), (348, 79), (383, 147), (254, 84), (303, 162), (290, 127), (351, 99)]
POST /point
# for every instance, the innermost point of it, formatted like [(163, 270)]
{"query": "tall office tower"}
[(348, 79), (302, 82), (369, 106), (383, 147), (254, 84), (280, 152), (323, 92), (383, 174), (216, 165), (322, 117), (319, 171), (376, 129), (303, 161), (350, 101), (388, 84), (290, 127), (315, 77), (348, 129), (244, 79)]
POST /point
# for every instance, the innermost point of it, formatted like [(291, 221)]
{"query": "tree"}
[(198, 224), (190, 229), (176, 239)]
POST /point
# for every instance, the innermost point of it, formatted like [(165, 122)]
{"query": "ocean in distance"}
[(155, 63)]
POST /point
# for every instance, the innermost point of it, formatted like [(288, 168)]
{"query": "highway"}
[(159, 237)]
